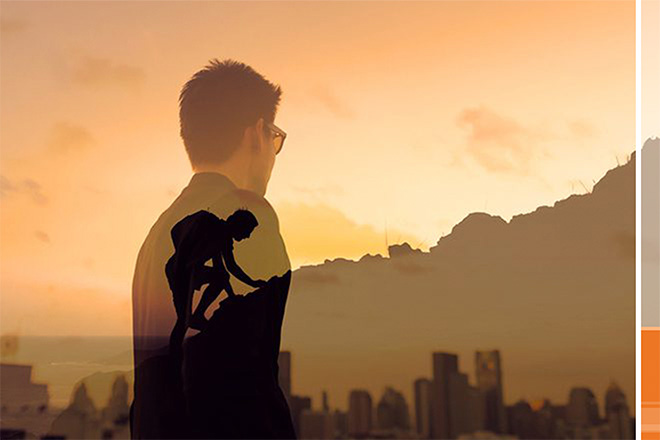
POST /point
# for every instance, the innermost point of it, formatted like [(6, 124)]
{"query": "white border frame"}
[(638, 218)]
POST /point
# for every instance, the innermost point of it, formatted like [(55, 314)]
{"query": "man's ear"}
[(259, 131), (259, 126), (253, 133)]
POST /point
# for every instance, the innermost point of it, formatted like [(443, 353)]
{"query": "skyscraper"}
[(489, 381), (392, 411), (422, 394), (359, 413), (316, 425), (522, 420), (19, 393), (324, 398), (459, 406), (341, 423), (616, 412), (582, 408), (445, 365), (284, 374), (297, 405)]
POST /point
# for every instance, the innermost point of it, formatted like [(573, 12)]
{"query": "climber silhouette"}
[(198, 238)]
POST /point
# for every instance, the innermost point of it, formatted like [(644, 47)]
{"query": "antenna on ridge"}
[(421, 242), (387, 243), (585, 188)]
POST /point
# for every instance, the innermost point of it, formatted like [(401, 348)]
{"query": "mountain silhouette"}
[(553, 289)]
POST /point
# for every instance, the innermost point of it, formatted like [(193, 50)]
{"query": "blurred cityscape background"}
[(447, 405)]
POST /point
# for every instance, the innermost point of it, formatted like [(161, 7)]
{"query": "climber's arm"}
[(234, 269)]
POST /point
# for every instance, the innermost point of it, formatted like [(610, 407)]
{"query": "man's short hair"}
[(218, 103), (243, 218)]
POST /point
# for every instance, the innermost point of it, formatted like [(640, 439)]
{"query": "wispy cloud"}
[(42, 236), (499, 143), (67, 137), (34, 190), (97, 71), (27, 187), (6, 187), (332, 103)]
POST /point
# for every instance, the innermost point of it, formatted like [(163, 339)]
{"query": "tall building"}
[(459, 409), (582, 408), (489, 381), (547, 422), (422, 390), (19, 393), (284, 374), (324, 401), (25, 404), (445, 365), (316, 425), (467, 406), (298, 404), (359, 413), (617, 414), (80, 419), (476, 402), (522, 420), (115, 416), (341, 424), (392, 411)]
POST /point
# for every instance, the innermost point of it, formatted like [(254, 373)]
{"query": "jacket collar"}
[(210, 179)]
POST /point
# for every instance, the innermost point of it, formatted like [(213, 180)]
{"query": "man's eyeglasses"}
[(278, 138)]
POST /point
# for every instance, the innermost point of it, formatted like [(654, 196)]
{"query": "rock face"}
[(553, 290)]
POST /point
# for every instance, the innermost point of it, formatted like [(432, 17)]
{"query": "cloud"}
[(67, 137), (499, 143), (11, 26), (331, 102), (33, 189), (6, 186), (42, 236), (96, 71), (28, 187), (314, 233)]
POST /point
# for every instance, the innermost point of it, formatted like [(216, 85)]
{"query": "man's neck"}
[(234, 170)]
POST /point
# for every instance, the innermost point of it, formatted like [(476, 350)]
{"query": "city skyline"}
[(387, 411), (581, 412)]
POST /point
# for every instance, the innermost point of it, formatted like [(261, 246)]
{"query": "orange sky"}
[(405, 114)]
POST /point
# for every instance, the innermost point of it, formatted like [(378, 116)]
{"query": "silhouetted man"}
[(220, 382)]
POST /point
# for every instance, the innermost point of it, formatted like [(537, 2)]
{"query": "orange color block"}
[(650, 383)]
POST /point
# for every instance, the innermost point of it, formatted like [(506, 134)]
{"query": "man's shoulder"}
[(251, 201)]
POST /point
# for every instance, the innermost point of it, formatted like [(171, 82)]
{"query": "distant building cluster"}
[(25, 404), (446, 406), (26, 412)]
